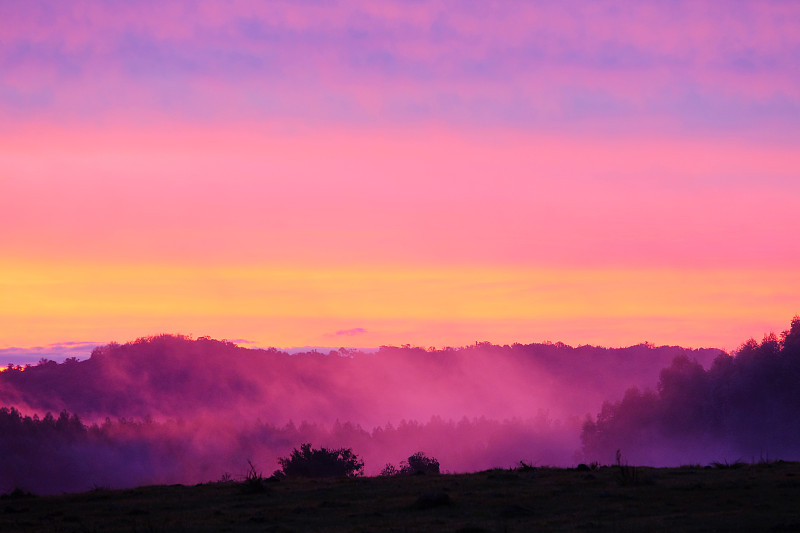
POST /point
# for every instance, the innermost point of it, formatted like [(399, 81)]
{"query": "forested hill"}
[(172, 409), (175, 376)]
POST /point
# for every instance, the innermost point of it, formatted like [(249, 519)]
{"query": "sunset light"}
[(431, 176), (502, 234)]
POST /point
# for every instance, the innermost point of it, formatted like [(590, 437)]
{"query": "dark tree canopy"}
[(745, 405)]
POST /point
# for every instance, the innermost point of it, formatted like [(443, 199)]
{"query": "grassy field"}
[(763, 497)]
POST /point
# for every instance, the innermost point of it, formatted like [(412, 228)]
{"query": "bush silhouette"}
[(312, 462), (418, 463), (389, 470)]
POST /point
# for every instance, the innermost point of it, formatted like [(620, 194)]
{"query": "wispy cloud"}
[(521, 65), (350, 332), (242, 341), (56, 352)]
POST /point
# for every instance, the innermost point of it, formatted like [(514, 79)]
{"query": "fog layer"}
[(171, 409)]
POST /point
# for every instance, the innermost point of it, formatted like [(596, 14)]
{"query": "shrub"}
[(418, 463), (312, 462), (389, 470)]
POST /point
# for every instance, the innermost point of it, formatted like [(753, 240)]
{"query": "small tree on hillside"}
[(312, 462)]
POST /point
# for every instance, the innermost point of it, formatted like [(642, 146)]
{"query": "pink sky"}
[(430, 173)]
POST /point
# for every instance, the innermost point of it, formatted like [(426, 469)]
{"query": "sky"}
[(432, 173)]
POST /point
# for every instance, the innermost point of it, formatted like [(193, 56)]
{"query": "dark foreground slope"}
[(759, 497)]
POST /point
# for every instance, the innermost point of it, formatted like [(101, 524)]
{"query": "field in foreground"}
[(761, 497)]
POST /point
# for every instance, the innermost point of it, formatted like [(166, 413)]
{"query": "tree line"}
[(745, 406)]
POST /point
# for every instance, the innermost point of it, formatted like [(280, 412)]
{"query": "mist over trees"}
[(177, 377), (170, 409), (54, 454), (744, 407)]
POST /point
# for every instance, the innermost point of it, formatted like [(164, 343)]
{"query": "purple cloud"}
[(523, 65), (58, 352)]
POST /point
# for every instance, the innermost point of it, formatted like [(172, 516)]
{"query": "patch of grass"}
[(686, 500), (17, 494), (728, 466), (630, 475), (525, 467), (253, 481), (430, 500)]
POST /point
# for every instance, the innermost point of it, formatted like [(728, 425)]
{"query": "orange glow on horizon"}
[(371, 306), (433, 175), (20, 368)]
